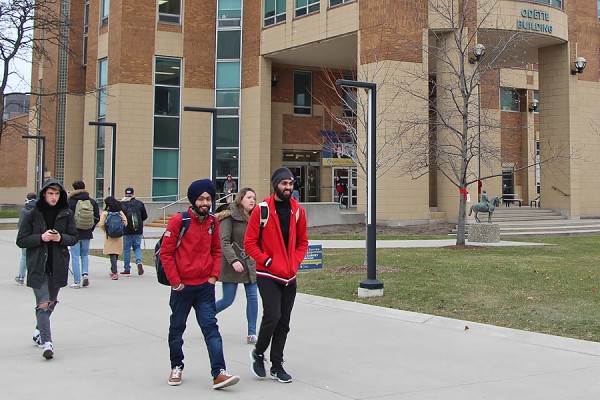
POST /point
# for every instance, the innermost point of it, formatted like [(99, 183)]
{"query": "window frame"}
[(307, 8), (102, 87), (294, 93), (104, 12), (339, 3), (169, 18), (515, 93), (277, 18)]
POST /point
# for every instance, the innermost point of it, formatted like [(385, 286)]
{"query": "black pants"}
[(278, 301)]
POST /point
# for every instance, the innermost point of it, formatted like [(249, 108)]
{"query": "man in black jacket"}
[(80, 251), (135, 211), (46, 231)]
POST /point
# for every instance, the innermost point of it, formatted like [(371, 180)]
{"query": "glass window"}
[(536, 96), (104, 12), (226, 161), (86, 16), (227, 132), (164, 189), (169, 11), (228, 75), (165, 163), (228, 98), (274, 12), (166, 100), (302, 92), (304, 7), (333, 3), (166, 132), (228, 45), (168, 71), (509, 99), (349, 99), (229, 12), (102, 83)]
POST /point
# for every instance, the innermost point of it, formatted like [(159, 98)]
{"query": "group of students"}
[(261, 247)]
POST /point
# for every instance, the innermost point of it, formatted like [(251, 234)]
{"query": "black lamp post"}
[(42, 158), (113, 160), (371, 283)]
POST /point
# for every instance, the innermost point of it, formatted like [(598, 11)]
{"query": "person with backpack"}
[(237, 266), (113, 223), (277, 239), (29, 204), (135, 211), (192, 265), (87, 215)]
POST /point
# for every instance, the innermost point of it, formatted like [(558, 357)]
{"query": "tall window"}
[(99, 173), (536, 96), (102, 84), (165, 161), (86, 16), (304, 7), (302, 92), (104, 12), (509, 99), (274, 12), (229, 13), (333, 3), (349, 99), (169, 11)]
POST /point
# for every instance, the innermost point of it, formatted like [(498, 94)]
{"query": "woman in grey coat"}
[(236, 266)]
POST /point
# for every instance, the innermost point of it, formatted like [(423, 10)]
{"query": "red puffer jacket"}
[(198, 257), (285, 262)]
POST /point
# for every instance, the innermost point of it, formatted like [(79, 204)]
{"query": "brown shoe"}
[(224, 379), (140, 269), (175, 376)]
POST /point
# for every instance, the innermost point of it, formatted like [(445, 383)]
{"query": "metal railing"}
[(218, 202), (560, 191)]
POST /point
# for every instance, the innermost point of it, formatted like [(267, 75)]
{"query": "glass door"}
[(347, 175)]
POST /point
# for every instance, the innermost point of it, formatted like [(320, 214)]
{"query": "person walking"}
[(87, 215), (192, 265), (30, 201), (278, 246), (46, 231), (136, 214), (113, 246), (236, 266)]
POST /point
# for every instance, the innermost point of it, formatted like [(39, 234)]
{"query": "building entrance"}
[(348, 176), (305, 165)]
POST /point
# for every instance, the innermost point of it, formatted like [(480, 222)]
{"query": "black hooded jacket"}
[(47, 256)]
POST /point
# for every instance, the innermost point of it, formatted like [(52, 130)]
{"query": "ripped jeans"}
[(46, 293)]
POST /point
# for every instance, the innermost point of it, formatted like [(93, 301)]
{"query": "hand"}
[(237, 266), (212, 280), (49, 235), (55, 236), (178, 288)]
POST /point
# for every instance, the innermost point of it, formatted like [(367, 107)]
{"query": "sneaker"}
[(86, 281), (48, 351), (114, 277), (225, 379), (37, 338), (251, 339), (277, 372), (175, 376), (19, 280), (257, 364), (75, 286), (125, 272), (140, 268)]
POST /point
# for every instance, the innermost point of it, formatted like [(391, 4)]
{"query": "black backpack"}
[(160, 271)]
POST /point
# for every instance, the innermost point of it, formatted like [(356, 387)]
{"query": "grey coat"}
[(233, 229), (31, 228)]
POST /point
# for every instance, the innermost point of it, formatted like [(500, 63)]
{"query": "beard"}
[(283, 196), (202, 213)]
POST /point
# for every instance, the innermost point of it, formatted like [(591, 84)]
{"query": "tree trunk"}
[(462, 220)]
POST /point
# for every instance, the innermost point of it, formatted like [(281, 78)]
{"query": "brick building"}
[(266, 67)]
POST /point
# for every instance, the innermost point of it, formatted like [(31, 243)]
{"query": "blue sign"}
[(313, 258)]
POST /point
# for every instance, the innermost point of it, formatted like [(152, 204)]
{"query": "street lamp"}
[(370, 286), (42, 158), (113, 157), (478, 52)]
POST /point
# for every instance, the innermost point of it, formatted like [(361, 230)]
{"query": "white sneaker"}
[(251, 339), (75, 286), (37, 338), (48, 351)]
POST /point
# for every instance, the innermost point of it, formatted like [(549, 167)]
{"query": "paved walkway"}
[(110, 342)]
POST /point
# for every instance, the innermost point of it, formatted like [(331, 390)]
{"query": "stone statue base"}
[(484, 233)]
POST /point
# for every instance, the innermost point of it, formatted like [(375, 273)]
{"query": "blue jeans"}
[(23, 264), (202, 299), (229, 290), (130, 241), (80, 250)]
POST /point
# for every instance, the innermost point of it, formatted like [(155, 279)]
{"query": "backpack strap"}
[(185, 225), (264, 218)]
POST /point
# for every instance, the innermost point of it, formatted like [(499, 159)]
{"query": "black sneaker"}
[(257, 364), (277, 372)]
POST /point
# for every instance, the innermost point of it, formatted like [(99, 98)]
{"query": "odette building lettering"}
[(534, 20)]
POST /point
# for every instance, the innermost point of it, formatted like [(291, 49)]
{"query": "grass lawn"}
[(9, 213), (549, 289)]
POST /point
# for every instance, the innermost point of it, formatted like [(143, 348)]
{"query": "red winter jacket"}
[(285, 261), (198, 257)]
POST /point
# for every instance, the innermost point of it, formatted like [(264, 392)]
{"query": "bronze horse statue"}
[(485, 207)]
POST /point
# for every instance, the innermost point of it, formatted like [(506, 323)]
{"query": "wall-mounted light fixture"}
[(534, 105), (274, 80), (580, 63), (478, 52)]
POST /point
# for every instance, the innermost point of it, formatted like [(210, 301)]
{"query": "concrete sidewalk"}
[(110, 342)]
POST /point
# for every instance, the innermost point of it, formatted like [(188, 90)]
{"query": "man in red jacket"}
[(192, 269), (278, 249)]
